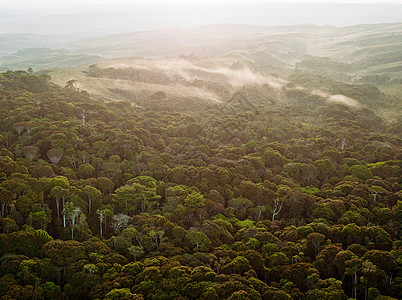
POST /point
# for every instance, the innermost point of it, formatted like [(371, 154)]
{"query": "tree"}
[(276, 208), (30, 152), (240, 206), (132, 197), (9, 225), (85, 170), (92, 194), (58, 193), (382, 259), (136, 251), (382, 240), (64, 254), (104, 184), (344, 142), (123, 294), (361, 172), (297, 273), (316, 239), (375, 190), (83, 114), (38, 220), (192, 202), (328, 289), (353, 266), (51, 290), (55, 155), (70, 84), (198, 239), (19, 127), (325, 168), (351, 234), (157, 236), (103, 214), (72, 213), (8, 165), (120, 221)]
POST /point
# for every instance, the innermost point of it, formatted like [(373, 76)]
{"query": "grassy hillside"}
[(44, 58), (366, 48)]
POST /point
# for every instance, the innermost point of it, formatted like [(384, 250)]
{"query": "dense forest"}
[(271, 195)]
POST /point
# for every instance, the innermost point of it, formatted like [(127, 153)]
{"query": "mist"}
[(344, 100), (186, 72), (104, 17)]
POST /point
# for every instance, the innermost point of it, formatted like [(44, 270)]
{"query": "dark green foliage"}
[(110, 201)]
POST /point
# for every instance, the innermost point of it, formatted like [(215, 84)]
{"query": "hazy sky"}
[(107, 16)]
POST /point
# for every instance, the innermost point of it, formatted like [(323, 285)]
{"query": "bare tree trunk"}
[(276, 209), (58, 207), (100, 226), (83, 116), (343, 143)]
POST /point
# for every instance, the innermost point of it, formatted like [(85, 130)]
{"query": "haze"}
[(106, 17)]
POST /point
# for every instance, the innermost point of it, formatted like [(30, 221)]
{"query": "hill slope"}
[(357, 50)]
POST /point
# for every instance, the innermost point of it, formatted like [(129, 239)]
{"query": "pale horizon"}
[(105, 17)]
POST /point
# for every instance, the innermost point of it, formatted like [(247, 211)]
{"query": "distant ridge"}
[(365, 46)]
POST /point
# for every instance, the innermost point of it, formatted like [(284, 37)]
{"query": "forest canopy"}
[(291, 198)]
